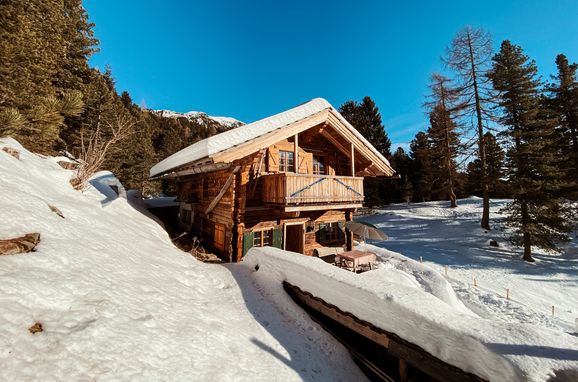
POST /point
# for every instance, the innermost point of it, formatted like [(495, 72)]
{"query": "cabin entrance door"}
[(294, 237)]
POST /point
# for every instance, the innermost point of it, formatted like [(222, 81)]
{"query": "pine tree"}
[(365, 117), (38, 44), (402, 163), (536, 213), (565, 103), (442, 133), (469, 55), (494, 169), (421, 173)]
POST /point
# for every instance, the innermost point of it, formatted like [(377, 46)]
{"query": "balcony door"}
[(294, 237)]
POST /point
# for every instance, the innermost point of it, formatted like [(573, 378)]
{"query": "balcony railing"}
[(290, 189)]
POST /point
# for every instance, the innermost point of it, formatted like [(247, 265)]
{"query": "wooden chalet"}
[(291, 181)]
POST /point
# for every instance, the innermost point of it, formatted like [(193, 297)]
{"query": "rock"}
[(23, 244), (15, 153), (56, 211), (68, 165), (493, 243), (36, 328)]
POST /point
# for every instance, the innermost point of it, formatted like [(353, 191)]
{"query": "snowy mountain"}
[(203, 119)]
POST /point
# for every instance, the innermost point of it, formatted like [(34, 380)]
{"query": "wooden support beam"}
[(296, 153), (223, 190), (352, 160)]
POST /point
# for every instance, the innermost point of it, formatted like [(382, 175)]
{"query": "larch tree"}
[(444, 109), (537, 214), (494, 168), (469, 55)]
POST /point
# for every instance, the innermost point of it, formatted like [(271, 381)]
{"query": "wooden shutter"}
[(247, 242), (277, 238), (219, 236), (322, 233), (305, 162), (272, 159)]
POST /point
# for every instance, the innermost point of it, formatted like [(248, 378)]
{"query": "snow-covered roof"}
[(242, 134)]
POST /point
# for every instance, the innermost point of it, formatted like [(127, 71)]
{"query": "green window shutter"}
[(322, 233), (277, 238), (247, 242)]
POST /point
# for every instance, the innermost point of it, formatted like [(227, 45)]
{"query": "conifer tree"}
[(401, 162), (469, 55), (495, 169), (421, 173), (365, 117), (564, 101), (442, 133), (536, 213)]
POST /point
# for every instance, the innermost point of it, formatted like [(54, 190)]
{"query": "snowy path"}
[(445, 237)]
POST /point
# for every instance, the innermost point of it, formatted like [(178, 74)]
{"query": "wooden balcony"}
[(300, 192)]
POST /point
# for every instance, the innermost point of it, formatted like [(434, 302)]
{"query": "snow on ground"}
[(452, 237), (118, 301), (415, 302)]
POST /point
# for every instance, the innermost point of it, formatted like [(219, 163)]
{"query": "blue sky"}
[(251, 59)]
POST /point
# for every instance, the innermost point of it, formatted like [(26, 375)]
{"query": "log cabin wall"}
[(215, 229), (241, 219)]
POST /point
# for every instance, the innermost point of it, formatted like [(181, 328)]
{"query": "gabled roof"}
[(227, 146)]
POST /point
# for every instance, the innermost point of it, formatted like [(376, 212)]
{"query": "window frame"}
[(319, 167), (284, 164), (260, 239)]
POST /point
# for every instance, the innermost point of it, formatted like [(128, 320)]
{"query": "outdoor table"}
[(358, 258)]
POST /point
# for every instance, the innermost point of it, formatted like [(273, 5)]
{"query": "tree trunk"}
[(527, 238), (481, 144)]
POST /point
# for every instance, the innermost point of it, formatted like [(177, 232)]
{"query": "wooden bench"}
[(328, 254)]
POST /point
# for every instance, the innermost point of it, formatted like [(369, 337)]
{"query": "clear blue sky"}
[(251, 59)]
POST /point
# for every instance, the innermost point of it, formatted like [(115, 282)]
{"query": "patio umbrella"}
[(367, 230)]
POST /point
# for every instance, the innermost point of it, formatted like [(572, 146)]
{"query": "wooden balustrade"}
[(290, 189)]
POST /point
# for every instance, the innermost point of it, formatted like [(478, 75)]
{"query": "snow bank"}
[(493, 350), (117, 301)]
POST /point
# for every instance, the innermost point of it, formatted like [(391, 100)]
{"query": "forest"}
[(496, 128)]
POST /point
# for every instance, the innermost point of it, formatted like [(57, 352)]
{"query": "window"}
[(332, 231), (286, 161), (318, 165), (329, 232), (262, 238)]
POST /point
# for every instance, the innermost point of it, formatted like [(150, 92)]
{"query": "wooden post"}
[(348, 233), (402, 370), (475, 283), (296, 153), (552, 310), (507, 294), (421, 259), (446, 270), (352, 160)]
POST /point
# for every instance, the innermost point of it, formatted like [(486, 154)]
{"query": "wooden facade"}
[(293, 188)]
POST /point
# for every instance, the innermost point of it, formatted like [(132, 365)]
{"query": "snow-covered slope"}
[(117, 301)]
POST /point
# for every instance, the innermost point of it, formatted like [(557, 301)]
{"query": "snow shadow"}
[(560, 354), (454, 238), (302, 344)]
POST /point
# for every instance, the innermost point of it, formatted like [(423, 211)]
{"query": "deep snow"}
[(119, 302)]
